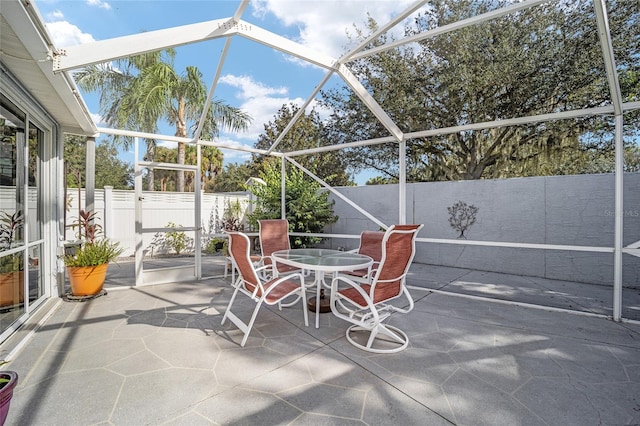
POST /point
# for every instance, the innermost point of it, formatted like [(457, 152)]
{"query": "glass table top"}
[(322, 259)]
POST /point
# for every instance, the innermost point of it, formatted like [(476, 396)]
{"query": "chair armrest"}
[(351, 283), (263, 267)]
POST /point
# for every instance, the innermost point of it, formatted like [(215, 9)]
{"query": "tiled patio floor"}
[(158, 355)]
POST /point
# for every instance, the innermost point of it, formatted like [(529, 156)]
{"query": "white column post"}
[(604, 34), (283, 188), (139, 240), (402, 182), (198, 213), (619, 221), (90, 175)]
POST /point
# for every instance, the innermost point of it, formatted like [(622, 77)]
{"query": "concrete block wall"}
[(564, 210)]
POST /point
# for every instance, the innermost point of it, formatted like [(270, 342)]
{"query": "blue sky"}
[(255, 78)]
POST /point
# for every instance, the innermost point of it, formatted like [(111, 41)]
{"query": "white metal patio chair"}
[(367, 305), (249, 283)]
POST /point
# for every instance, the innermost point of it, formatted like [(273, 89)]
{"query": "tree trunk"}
[(150, 177), (150, 154), (181, 157), (181, 131)]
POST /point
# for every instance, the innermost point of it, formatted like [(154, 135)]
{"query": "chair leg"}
[(304, 306), (228, 310), (242, 326), (250, 325), (246, 327), (289, 304), (398, 336)]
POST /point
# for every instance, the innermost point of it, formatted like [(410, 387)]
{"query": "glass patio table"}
[(322, 261)]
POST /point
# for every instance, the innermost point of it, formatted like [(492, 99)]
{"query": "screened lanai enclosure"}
[(442, 92)]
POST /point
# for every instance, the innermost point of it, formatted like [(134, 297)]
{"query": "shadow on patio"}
[(158, 355)]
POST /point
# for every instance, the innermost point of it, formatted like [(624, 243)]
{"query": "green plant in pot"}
[(11, 265), (87, 267)]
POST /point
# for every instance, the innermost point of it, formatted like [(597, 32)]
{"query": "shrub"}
[(94, 253), (308, 207), (176, 240)]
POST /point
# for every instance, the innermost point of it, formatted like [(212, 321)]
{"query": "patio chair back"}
[(370, 245), (240, 251), (398, 250), (274, 236)]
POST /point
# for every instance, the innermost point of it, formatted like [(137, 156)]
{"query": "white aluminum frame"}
[(139, 226), (106, 50)]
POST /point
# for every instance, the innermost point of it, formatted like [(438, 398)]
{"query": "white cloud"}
[(99, 3), (232, 155), (251, 88), (167, 144), (65, 34), (261, 102), (323, 24), (56, 15)]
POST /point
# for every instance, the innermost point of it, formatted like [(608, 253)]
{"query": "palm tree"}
[(211, 160), (139, 91), (113, 81)]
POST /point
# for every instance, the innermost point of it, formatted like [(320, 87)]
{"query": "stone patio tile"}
[(320, 398), (181, 349), (430, 395), (385, 405), (154, 397), (139, 363), (101, 354), (68, 399), (477, 402), (420, 364), (567, 402), (330, 367), (243, 365), (247, 408)]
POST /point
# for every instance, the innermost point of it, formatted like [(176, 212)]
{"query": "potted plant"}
[(12, 265), (215, 245), (8, 381), (87, 267)]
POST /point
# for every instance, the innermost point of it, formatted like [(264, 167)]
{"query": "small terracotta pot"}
[(87, 280)]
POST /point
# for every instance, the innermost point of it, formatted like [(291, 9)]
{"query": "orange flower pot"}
[(11, 288), (87, 280)]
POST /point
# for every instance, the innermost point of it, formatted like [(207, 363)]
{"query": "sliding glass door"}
[(21, 236)]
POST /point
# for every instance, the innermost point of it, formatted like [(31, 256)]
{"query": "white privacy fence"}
[(116, 214)]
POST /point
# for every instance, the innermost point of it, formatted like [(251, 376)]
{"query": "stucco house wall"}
[(565, 210)]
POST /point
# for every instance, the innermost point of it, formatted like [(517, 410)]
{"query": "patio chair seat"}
[(281, 290)]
